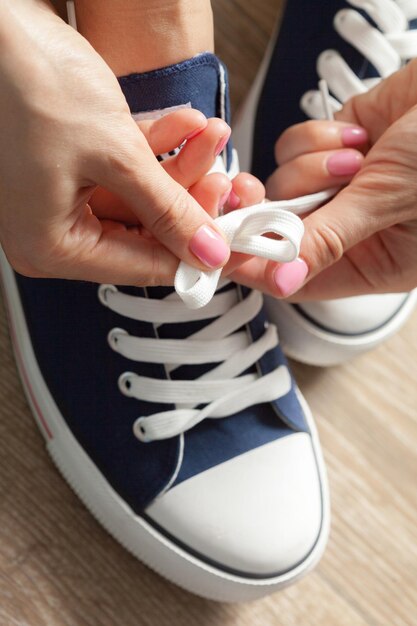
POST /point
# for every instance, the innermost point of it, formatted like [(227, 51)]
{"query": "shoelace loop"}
[(244, 230)]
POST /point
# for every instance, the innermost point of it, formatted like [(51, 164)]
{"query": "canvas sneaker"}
[(352, 45), (181, 429)]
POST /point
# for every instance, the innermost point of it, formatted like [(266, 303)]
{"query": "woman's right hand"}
[(66, 129)]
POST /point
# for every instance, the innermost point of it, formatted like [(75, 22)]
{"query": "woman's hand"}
[(365, 239), (66, 129)]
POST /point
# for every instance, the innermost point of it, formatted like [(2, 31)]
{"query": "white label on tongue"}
[(158, 113)]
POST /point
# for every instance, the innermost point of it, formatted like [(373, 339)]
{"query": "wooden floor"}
[(59, 568)]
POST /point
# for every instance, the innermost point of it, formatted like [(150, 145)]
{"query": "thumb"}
[(163, 206), (353, 217), (338, 226)]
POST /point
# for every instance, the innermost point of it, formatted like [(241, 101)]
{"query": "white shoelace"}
[(243, 230), (223, 390), (386, 48)]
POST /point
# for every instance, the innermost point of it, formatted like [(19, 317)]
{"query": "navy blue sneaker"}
[(231, 508), (351, 44)]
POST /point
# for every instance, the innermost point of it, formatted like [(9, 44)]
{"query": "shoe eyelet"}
[(139, 430), (327, 56), (113, 337), (103, 292), (309, 99), (341, 16), (125, 383)]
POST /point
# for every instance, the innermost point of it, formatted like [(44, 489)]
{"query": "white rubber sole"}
[(304, 341), (129, 529)]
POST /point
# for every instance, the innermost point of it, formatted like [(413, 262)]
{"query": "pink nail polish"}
[(354, 136), (234, 200), (221, 145), (344, 163), (290, 276), (209, 247)]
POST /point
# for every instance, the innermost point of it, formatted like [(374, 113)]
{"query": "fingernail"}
[(344, 163), (209, 247), (234, 200), (221, 145), (223, 199), (290, 276), (354, 136)]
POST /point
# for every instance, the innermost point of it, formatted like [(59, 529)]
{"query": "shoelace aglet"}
[(324, 90)]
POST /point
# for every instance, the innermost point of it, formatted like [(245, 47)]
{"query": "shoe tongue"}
[(199, 83)]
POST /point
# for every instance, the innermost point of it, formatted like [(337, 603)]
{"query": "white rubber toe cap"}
[(258, 514), (356, 315)]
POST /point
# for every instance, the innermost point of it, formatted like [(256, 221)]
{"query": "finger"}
[(130, 170), (170, 131), (359, 211), (340, 280), (318, 136), (198, 155), (386, 262), (343, 279), (246, 190), (212, 192), (311, 173), (370, 267), (256, 273), (331, 234), (215, 192), (189, 166)]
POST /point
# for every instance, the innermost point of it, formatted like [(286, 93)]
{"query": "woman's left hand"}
[(365, 239)]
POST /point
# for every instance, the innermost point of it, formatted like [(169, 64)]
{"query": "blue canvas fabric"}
[(306, 30), (69, 327), (195, 81)]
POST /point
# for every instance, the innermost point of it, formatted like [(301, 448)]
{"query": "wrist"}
[(135, 36)]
